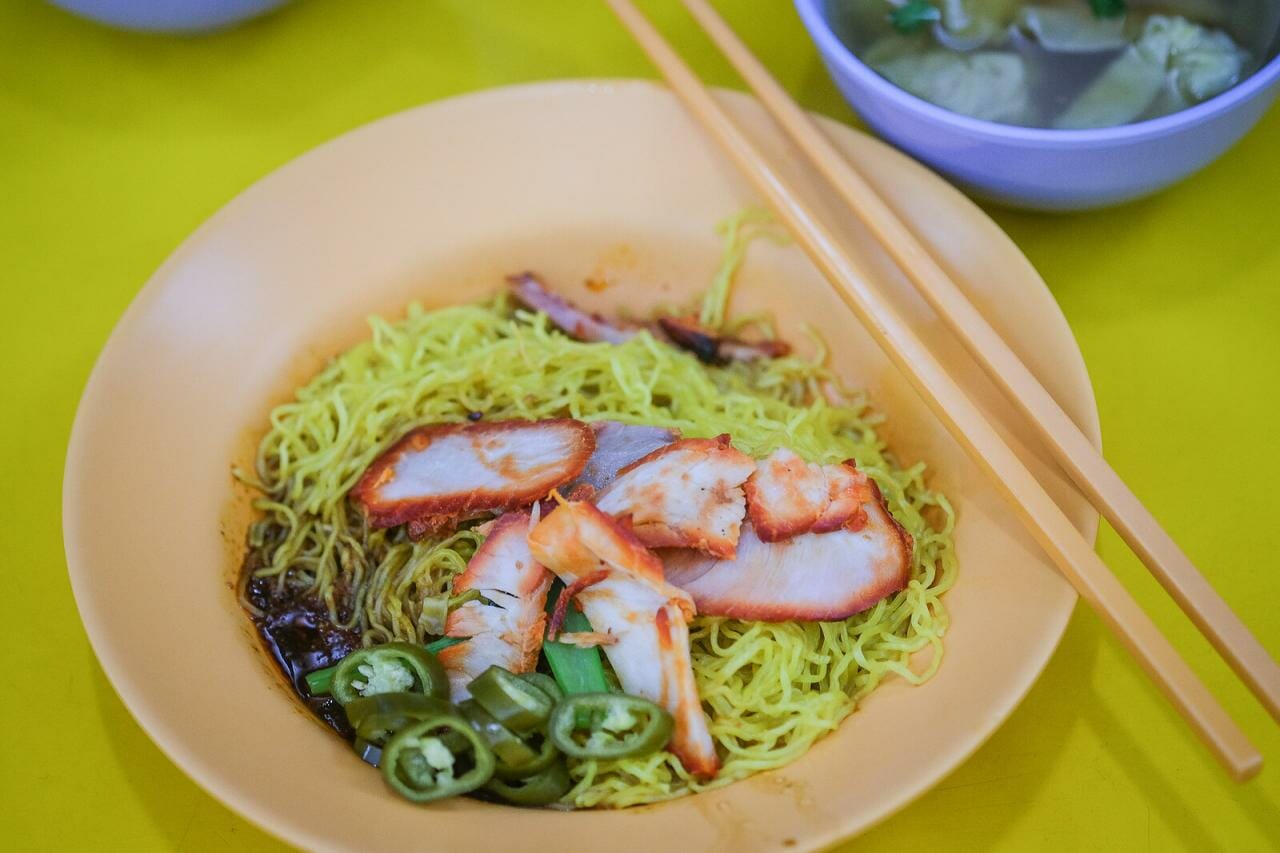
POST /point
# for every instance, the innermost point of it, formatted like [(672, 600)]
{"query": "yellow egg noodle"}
[(771, 689)]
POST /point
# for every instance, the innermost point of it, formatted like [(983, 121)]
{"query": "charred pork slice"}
[(787, 496), (531, 292), (683, 332), (809, 576), (619, 585), (687, 494), (508, 631), (436, 476), (713, 348)]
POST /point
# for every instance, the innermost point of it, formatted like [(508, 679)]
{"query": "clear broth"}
[(1054, 80)]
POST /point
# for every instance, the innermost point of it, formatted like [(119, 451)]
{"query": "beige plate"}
[(573, 179)]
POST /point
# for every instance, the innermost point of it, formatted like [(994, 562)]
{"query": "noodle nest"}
[(771, 690)]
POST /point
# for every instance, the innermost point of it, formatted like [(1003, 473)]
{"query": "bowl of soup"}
[(169, 16), (1054, 104)]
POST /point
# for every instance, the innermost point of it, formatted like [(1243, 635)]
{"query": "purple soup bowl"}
[(1037, 168), (169, 16)]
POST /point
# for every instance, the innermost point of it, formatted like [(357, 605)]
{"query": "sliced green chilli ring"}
[(376, 718), (546, 754), (389, 668), (515, 703), (419, 763), (545, 683), (608, 726), (512, 753), (543, 788)]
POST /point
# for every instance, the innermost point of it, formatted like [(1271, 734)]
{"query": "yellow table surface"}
[(113, 147)]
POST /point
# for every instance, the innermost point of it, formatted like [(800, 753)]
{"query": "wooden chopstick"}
[(1073, 555), (1083, 463)]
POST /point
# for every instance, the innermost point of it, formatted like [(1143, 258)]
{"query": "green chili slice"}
[(543, 788), (376, 718), (608, 725), (320, 681), (517, 704), (512, 753), (545, 756), (420, 764), (389, 668), (545, 683)]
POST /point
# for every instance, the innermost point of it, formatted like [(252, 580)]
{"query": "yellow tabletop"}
[(113, 147)]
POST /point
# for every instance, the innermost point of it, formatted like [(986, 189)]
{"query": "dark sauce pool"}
[(295, 630)]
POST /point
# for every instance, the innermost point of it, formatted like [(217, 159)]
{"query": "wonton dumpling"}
[(984, 85), (1119, 95), (1072, 29), (1254, 24), (1173, 64), (1202, 62)]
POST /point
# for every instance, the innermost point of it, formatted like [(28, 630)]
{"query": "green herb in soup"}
[(1067, 64)]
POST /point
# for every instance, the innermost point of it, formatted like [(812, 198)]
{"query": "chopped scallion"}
[(576, 670), (913, 15), (1107, 8)]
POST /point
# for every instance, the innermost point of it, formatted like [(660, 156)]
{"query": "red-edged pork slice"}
[(787, 496), (683, 332), (436, 476), (531, 292), (508, 632), (809, 577), (620, 588), (617, 446), (685, 495), (713, 348)]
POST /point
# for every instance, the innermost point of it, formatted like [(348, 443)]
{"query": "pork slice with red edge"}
[(787, 496), (575, 322), (687, 494), (713, 348), (806, 576), (438, 475), (620, 587), (508, 630)]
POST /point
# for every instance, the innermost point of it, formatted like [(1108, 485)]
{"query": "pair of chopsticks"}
[(1073, 555)]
